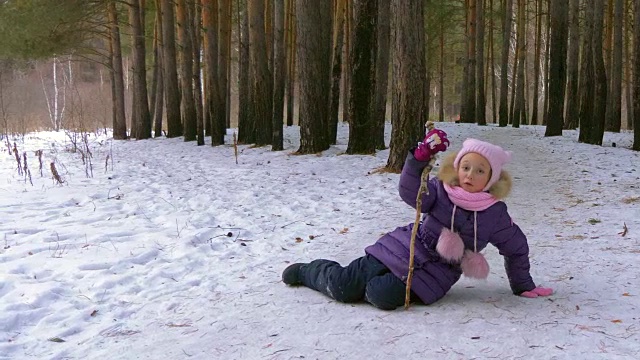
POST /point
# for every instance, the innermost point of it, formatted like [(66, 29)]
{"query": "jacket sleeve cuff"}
[(413, 162)]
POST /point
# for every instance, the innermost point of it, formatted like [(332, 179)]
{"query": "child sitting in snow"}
[(464, 213)]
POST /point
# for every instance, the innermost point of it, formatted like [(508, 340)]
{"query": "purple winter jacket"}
[(432, 275)]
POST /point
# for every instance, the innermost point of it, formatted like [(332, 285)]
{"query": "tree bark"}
[(363, 84), (279, 59), (260, 84), (246, 123), (172, 91), (314, 49), (470, 89), (158, 89), (224, 61), (573, 98), (504, 80), (518, 109), (613, 120), (480, 115), (557, 67), (409, 68), (636, 77), (291, 61), (382, 74), (600, 90), (336, 69), (536, 64), (117, 93), (140, 104), (587, 75), (195, 12), (188, 105), (210, 110), (547, 56)]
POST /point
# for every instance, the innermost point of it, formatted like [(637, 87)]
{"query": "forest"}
[(196, 69)]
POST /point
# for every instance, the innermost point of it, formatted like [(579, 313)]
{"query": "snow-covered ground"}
[(173, 251)]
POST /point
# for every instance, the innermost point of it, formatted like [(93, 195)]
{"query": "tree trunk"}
[(547, 56), (224, 53), (279, 60), (346, 71), (382, 74), (210, 109), (441, 75), (518, 110), (557, 67), (188, 105), (140, 104), (636, 77), (195, 14), (613, 119), (482, 96), (291, 61), (363, 82), (117, 93), (587, 78), (536, 63), (608, 37), (470, 100), (628, 36), (336, 69), (504, 80), (409, 69), (158, 89), (246, 123), (172, 92), (313, 26), (260, 85), (494, 108), (573, 97), (600, 90)]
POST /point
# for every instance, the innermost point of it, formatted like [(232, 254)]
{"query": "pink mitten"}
[(538, 291), (434, 142)]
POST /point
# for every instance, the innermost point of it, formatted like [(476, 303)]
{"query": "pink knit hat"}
[(496, 156)]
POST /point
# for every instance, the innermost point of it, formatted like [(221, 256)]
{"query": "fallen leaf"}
[(343, 231), (616, 321), (94, 312), (577, 307), (299, 239), (626, 294), (56, 339)]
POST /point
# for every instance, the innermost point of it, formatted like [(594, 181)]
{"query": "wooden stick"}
[(423, 190)]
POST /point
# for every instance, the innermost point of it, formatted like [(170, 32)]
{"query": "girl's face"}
[(474, 172)]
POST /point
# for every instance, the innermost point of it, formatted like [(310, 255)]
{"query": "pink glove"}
[(538, 291), (434, 142)]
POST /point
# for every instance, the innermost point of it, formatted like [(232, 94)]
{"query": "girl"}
[(464, 213)]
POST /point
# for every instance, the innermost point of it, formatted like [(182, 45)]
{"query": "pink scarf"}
[(469, 201)]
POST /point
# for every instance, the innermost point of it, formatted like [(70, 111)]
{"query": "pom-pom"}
[(474, 265), (450, 246)]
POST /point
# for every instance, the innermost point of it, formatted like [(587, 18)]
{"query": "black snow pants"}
[(365, 278)]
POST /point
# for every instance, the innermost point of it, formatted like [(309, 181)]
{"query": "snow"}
[(174, 251)]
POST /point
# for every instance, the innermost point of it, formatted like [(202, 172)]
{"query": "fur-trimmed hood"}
[(448, 175)]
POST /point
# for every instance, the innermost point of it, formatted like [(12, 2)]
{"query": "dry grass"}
[(631, 200)]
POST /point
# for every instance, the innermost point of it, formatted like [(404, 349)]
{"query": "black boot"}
[(291, 275)]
